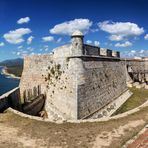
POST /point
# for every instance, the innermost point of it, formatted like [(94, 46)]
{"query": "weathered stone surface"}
[(129, 85), (104, 81), (146, 87), (10, 98), (136, 84), (75, 83)]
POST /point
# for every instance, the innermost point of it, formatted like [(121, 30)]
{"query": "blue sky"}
[(37, 26)]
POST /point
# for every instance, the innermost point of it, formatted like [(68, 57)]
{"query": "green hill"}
[(14, 66)]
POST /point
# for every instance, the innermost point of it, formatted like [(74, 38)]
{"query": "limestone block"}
[(136, 84), (146, 87), (103, 52), (114, 53), (143, 85), (129, 85)]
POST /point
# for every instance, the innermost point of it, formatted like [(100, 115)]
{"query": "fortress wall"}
[(61, 91), (104, 81), (137, 69), (55, 78), (77, 79), (10, 99), (32, 81), (136, 65)]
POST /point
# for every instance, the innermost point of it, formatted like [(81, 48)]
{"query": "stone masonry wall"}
[(55, 78), (10, 99), (76, 82), (104, 81), (32, 80), (75, 87)]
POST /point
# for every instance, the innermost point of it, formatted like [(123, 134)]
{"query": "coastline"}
[(4, 72)]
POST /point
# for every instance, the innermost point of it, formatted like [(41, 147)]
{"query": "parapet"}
[(98, 51), (77, 48)]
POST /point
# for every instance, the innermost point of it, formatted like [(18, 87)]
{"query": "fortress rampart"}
[(138, 69), (78, 80)]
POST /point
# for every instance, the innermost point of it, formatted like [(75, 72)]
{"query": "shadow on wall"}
[(31, 94), (32, 107)]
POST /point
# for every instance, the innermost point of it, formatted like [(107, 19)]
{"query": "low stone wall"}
[(80, 121), (10, 98), (111, 108)]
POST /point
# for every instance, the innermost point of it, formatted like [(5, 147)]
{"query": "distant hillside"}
[(14, 66), (12, 62)]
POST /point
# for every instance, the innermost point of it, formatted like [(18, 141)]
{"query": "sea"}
[(7, 83)]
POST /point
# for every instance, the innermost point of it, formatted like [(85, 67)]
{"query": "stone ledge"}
[(111, 108), (8, 93), (80, 121), (98, 57)]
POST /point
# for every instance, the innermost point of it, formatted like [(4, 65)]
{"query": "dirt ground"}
[(141, 141), (18, 132)]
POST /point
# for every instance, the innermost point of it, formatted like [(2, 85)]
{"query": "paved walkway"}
[(141, 141)]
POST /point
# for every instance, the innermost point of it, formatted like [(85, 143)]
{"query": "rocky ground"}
[(20, 132)]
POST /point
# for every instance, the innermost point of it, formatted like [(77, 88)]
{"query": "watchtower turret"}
[(77, 43)]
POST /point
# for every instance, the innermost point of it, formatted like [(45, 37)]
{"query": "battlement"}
[(78, 48), (98, 51)]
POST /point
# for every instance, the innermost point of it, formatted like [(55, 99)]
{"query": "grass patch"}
[(64, 135), (138, 98)]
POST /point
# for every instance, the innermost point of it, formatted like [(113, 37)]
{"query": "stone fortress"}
[(79, 81)]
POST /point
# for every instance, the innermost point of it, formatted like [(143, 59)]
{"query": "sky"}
[(29, 27)]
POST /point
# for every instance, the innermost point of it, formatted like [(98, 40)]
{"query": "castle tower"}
[(77, 43)]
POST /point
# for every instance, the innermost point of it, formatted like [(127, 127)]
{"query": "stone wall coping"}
[(80, 121), (134, 60), (92, 56), (8, 93)]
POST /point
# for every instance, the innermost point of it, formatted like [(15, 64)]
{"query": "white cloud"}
[(22, 53), (30, 48), (96, 43), (134, 53), (32, 53), (89, 42), (29, 40), (116, 37), (94, 30), (48, 38), (23, 20), (2, 44), (67, 28), (19, 47), (45, 48), (146, 37), (18, 53), (16, 36), (126, 44), (141, 51), (120, 30), (59, 40)]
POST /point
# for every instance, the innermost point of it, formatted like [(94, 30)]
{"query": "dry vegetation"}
[(138, 98), (22, 132)]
